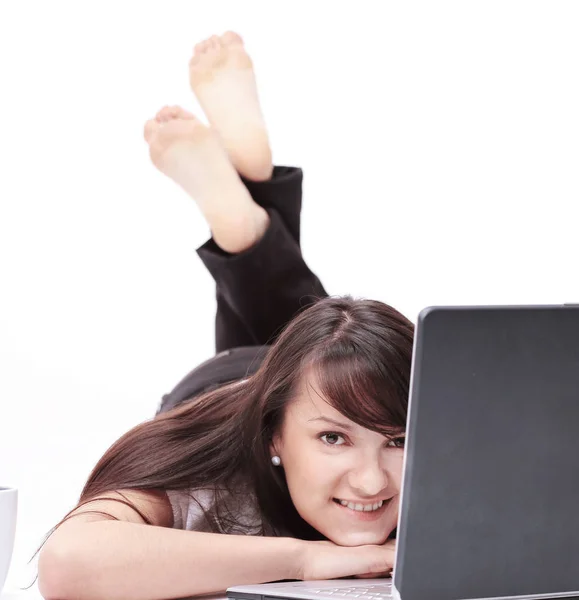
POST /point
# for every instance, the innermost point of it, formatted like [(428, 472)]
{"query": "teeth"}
[(362, 507)]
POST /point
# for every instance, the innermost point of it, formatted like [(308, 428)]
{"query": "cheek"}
[(394, 465), (310, 472), (311, 487)]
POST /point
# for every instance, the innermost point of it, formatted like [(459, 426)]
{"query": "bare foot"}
[(222, 77), (193, 156)]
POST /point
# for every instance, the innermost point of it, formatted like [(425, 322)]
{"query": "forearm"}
[(129, 561)]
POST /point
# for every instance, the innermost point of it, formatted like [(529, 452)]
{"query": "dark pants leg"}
[(260, 290)]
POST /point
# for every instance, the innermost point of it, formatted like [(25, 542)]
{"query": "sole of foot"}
[(192, 155), (222, 77)]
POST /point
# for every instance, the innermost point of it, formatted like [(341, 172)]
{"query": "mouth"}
[(371, 507)]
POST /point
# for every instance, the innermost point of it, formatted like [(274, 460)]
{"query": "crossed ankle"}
[(237, 233)]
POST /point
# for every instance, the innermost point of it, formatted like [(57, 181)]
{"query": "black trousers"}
[(258, 291)]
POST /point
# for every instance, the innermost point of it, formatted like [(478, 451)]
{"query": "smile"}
[(357, 506)]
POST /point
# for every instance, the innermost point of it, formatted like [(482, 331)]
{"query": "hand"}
[(326, 560)]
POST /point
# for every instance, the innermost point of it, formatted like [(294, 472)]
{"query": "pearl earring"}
[(276, 461)]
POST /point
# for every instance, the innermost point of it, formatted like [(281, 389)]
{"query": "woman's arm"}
[(91, 557)]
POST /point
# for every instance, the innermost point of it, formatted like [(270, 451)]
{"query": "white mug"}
[(8, 509)]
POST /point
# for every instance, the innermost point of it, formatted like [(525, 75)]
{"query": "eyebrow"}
[(348, 427), (332, 422)]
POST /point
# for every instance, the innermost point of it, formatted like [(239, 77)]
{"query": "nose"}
[(369, 478)]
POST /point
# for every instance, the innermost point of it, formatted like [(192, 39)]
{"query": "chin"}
[(358, 538)]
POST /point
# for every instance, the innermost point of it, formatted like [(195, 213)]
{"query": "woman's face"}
[(344, 479)]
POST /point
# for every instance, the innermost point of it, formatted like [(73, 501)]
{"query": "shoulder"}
[(223, 510), (135, 506)]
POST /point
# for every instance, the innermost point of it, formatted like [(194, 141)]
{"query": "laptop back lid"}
[(490, 501)]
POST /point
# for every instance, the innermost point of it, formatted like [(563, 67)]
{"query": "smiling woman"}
[(266, 462), (344, 482)]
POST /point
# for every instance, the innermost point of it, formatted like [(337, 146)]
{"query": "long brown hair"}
[(360, 351)]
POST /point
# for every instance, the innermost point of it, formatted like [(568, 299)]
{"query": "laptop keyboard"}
[(371, 592)]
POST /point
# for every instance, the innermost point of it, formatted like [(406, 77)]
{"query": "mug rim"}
[(4, 489)]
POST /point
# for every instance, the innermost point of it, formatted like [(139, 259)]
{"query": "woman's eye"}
[(332, 439), (396, 443)]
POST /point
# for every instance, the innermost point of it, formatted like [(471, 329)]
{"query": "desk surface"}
[(34, 594), (20, 595)]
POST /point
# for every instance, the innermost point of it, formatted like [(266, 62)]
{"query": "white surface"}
[(17, 594), (319, 588), (34, 594), (8, 513), (439, 143)]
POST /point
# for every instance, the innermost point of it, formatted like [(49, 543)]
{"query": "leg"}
[(284, 194), (255, 260), (222, 77), (230, 331), (256, 317), (265, 286), (193, 156), (223, 80)]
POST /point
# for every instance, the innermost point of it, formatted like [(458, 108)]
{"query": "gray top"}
[(199, 510)]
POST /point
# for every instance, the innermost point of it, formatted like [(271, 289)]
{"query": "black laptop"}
[(490, 495)]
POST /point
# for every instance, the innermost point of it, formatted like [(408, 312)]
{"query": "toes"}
[(159, 114), (201, 49), (169, 113), (213, 46), (181, 113), (151, 127), (230, 38), (191, 129), (164, 114), (215, 53)]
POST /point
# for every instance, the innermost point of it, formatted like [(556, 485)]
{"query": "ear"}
[(275, 445)]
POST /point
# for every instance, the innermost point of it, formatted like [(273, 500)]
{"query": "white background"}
[(440, 144)]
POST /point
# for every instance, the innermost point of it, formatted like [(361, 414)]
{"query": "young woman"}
[(280, 458)]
